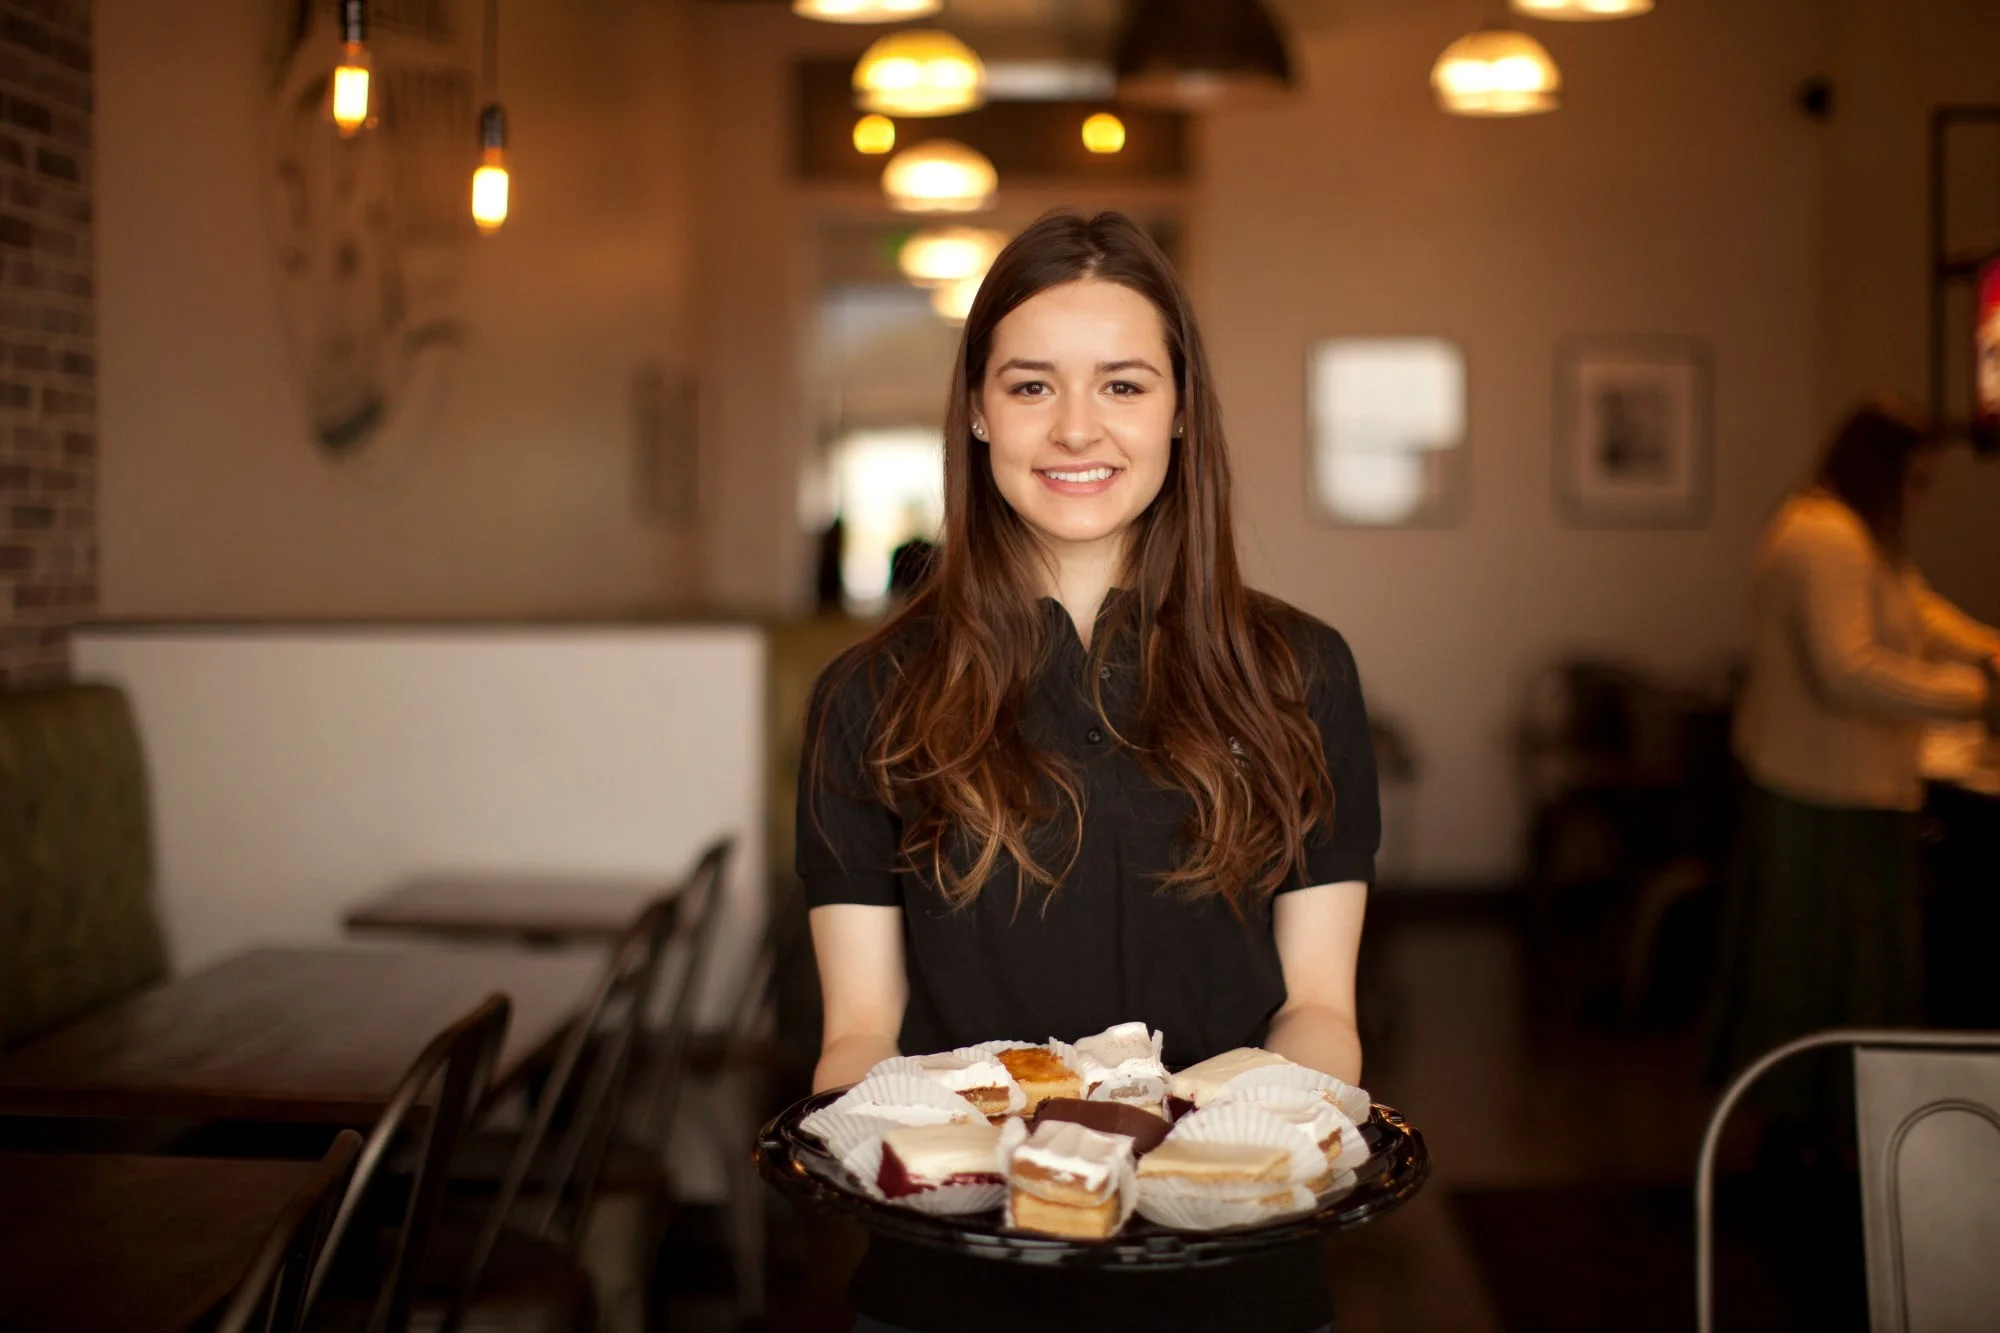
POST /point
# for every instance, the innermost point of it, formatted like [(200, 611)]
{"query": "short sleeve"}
[(1346, 850), (849, 843)]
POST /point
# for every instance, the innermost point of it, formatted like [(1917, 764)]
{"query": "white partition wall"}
[(295, 771)]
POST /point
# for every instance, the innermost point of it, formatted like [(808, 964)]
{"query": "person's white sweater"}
[(1851, 657)]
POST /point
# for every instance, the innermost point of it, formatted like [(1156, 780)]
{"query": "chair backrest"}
[(1927, 1109), (574, 1114), (459, 1061), (76, 858), (272, 1296), (700, 902), (1929, 1127)]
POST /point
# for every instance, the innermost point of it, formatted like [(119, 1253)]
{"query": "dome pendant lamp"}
[(1496, 72), (1197, 55), (940, 176), (1582, 10), (865, 11), (919, 72)]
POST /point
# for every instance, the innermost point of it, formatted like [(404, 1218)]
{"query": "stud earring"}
[(1178, 429), (978, 431)]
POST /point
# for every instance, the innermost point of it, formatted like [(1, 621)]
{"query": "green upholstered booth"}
[(77, 928)]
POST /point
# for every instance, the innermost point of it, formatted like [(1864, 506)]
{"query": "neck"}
[(1079, 578)]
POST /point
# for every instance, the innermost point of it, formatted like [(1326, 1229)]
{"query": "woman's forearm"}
[(1318, 1037), (845, 1060)]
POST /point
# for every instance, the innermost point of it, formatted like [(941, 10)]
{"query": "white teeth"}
[(1094, 474)]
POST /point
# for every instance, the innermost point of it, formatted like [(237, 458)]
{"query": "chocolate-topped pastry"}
[(1141, 1126)]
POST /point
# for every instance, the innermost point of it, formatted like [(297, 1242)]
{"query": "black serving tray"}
[(798, 1164)]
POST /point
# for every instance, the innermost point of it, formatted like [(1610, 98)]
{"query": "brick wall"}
[(48, 336)]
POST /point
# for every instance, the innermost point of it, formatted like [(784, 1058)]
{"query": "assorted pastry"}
[(1070, 1139)]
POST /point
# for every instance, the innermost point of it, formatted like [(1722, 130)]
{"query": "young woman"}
[(1852, 656), (1086, 776)]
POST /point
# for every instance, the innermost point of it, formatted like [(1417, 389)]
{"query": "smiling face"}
[(1078, 411)]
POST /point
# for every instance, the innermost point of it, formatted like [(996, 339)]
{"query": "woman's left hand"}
[(1318, 932)]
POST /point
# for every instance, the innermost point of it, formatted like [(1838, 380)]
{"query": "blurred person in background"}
[(1852, 656)]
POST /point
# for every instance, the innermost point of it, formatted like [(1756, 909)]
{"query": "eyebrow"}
[(1103, 367)]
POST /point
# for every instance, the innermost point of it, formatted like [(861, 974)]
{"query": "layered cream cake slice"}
[(1199, 1084), (916, 1158), (981, 1080), (1064, 1180), (1203, 1164)]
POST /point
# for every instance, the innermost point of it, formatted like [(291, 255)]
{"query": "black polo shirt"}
[(1108, 946)]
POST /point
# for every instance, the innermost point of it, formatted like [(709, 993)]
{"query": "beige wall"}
[(1673, 195), (516, 495), (1891, 63)]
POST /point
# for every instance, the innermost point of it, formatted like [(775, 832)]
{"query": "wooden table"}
[(521, 909), (300, 1035), (131, 1244)]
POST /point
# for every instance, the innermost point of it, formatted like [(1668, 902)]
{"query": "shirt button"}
[(1094, 736)]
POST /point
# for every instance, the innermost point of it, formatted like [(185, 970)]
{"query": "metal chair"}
[(539, 1202), (272, 1295), (734, 1066), (1928, 1118), (459, 1061), (700, 901)]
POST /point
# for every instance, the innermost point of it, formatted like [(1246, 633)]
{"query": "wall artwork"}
[(1633, 427), (369, 234)]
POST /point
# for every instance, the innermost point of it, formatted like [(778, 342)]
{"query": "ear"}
[(976, 414)]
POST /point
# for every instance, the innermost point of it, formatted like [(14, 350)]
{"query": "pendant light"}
[(940, 176), (1200, 54), (1582, 10), (953, 301), (490, 185), (1496, 72), (874, 135), (350, 77), (919, 72), (865, 11), (938, 256), (1103, 133)]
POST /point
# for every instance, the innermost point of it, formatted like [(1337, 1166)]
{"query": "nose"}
[(1075, 427)]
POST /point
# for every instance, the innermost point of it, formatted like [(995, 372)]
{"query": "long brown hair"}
[(1222, 690), (1867, 465)]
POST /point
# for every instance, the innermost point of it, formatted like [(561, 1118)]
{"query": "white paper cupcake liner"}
[(856, 1142), (912, 1065), (1199, 1210), (1136, 1080), (898, 1099), (1351, 1101), (1343, 1181), (1350, 1149), (1246, 1122), (1150, 1093)]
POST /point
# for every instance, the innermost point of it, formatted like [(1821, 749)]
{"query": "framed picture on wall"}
[(1633, 432)]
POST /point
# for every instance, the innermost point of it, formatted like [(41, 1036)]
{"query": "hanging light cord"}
[(492, 35)]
